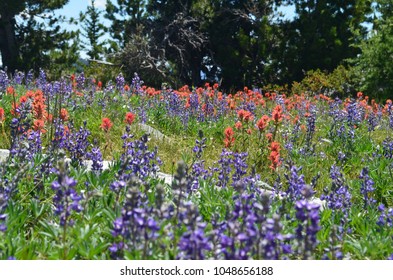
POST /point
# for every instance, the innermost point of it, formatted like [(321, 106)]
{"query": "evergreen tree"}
[(30, 31), (125, 17), (243, 36), (373, 68), (322, 35), (93, 30)]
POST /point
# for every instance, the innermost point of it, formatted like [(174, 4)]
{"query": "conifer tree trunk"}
[(8, 46)]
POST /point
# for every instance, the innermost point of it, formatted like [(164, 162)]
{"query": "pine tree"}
[(125, 17), (28, 43), (93, 30), (323, 35)]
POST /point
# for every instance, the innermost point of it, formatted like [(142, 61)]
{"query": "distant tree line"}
[(236, 42)]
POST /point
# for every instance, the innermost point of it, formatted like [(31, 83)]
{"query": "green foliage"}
[(125, 16), (322, 35), (337, 83), (373, 69)]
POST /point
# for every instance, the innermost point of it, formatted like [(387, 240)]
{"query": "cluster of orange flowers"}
[(229, 139), (274, 156)]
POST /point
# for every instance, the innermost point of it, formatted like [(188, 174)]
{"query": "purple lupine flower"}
[(18, 77), (372, 121), (29, 78), (120, 82), (7, 188), (390, 114), (136, 84), (388, 148), (273, 244), (41, 81), (96, 157), (198, 166), (80, 81), (341, 156), (311, 119), (225, 162), (355, 113), (117, 186), (193, 243), (386, 216), (66, 199), (35, 143), (240, 167), (367, 187), (4, 81), (339, 197), (137, 159), (136, 227), (308, 216), (77, 144), (296, 183)]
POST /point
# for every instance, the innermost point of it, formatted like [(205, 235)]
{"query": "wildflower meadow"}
[(125, 171)]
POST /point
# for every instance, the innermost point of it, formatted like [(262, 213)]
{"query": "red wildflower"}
[(238, 125), (130, 118), (39, 125), (277, 114), (48, 117), (99, 84), (64, 114), (249, 131), (106, 124), (2, 117), (263, 122), (229, 139), (127, 88), (10, 90), (275, 147), (23, 99), (244, 115), (274, 156)]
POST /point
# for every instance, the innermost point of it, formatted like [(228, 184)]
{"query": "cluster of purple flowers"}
[(232, 163), (136, 229), (120, 82), (198, 167), (367, 187), (66, 199), (77, 144), (136, 84), (4, 81), (296, 183), (307, 214), (193, 243), (5, 192), (338, 197), (137, 159), (95, 156), (386, 216)]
